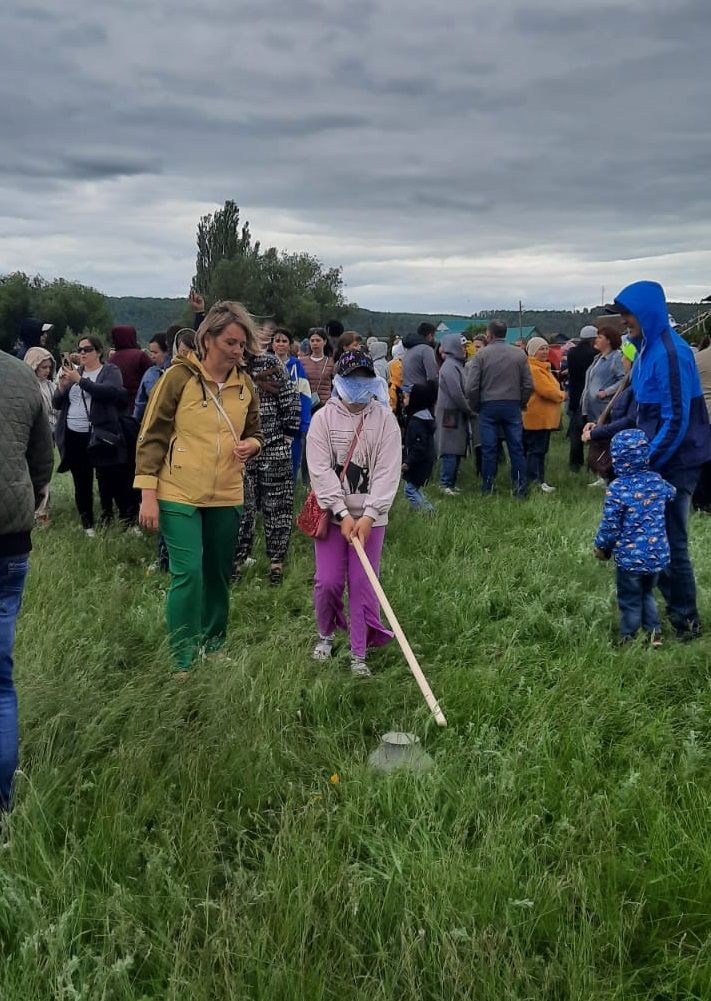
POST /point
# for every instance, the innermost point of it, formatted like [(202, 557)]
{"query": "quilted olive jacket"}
[(25, 452)]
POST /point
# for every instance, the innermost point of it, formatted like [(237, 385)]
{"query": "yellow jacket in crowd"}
[(542, 412), (185, 446)]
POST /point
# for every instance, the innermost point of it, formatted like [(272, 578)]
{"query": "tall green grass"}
[(188, 842)]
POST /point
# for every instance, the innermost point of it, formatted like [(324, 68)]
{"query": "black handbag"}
[(105, 448)]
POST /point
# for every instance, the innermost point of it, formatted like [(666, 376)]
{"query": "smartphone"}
[(66, 361)]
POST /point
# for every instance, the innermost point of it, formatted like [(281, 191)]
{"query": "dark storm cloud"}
[(505, 145)]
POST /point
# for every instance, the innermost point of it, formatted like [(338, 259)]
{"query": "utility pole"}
[(520, 319)]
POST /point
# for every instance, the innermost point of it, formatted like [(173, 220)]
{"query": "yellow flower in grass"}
[(335, 779)]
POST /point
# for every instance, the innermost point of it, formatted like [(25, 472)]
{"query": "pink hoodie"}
[(373, 474)]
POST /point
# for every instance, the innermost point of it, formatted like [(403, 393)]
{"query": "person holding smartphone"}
[(92, 397)]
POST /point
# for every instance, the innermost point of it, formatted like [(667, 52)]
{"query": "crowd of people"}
[(217, 422)]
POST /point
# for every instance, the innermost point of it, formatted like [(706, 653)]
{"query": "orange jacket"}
[(543, 410)]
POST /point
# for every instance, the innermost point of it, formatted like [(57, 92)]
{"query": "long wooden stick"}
[(400, 635)]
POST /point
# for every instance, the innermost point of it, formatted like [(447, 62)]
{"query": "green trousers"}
[(201, 544)]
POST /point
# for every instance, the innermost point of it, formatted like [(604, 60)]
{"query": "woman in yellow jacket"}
[(200, 427), (542, 413)]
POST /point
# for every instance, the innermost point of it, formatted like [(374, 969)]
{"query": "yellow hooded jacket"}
[(185, 446)]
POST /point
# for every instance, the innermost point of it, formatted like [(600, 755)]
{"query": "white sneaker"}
[(324, 648), (249, 561), (448, 491), (90, 533), (359, 668), (599, 482), (547, 488)]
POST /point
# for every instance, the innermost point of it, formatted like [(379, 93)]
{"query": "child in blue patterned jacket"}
[(633, 529)]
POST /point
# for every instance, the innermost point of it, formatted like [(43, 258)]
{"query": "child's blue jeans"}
[(416, 498), (635, 599), (448, 470)]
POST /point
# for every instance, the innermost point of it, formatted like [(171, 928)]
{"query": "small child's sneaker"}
[(324, 648), (547, 488), (359, 668)]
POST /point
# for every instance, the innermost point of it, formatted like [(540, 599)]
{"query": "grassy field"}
[(225, 839)]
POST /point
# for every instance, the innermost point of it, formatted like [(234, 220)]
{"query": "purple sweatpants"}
[(337, 563)]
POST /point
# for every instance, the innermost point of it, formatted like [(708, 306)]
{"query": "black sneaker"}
[(691, 630)]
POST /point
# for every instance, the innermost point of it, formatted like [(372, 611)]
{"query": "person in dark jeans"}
[(26, 463), (94, 398), (579, 360), (672, 413), (498, 385)]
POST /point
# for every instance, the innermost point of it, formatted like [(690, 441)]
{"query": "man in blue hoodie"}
[(672, 413)]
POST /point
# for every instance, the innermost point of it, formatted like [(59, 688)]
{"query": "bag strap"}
[(83, 400), (323, 372), (605, 415), (352, 449), (222, 412)]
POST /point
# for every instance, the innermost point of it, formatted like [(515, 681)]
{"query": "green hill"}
[(149, 315)]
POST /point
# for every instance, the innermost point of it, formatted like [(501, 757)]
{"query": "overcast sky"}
[(451, 158)]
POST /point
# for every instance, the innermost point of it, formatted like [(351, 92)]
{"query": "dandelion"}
[(335, 779)]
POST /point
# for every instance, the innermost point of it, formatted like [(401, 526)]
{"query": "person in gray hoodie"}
[(452, 412), (419, 365)]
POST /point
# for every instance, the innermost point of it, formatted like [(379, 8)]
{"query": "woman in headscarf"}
[(542, 414)]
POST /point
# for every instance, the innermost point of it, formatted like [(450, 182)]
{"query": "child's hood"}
[(630, 452)]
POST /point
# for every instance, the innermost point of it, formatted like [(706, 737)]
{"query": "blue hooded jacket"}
[(666, 385), (633, 525)]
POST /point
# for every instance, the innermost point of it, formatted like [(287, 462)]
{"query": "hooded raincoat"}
[(34, 358), (633, 525), (379, 352), (452, 410), (670, 401)]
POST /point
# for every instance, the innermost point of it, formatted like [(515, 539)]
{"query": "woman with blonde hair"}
[(200, 427)]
